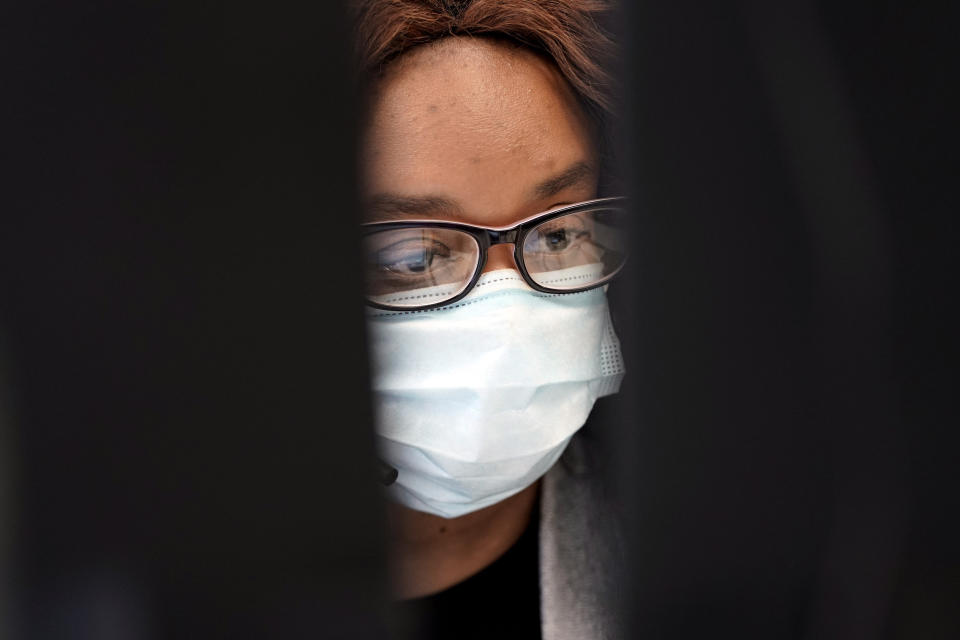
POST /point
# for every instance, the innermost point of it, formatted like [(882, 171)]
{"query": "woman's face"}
[(475, 131)]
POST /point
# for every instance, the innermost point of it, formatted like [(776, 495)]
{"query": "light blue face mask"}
[(477, 400)]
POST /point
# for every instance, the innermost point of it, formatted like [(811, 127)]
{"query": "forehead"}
[(476, 121)]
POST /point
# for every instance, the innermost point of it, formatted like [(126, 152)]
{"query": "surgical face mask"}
[(476, 400)]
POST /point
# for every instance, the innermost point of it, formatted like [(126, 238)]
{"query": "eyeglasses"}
[(423, 264)]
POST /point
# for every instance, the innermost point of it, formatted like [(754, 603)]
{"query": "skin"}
[(478, 131)]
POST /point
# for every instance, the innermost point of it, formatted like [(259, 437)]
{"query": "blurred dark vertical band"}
[(853, 264), (781, 433), (182, 323), (7, 493)]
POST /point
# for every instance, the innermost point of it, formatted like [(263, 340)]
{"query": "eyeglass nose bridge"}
[(502, 237), (492, 237)]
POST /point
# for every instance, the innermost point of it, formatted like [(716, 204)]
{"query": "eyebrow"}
[(388, 206), (578, 173)]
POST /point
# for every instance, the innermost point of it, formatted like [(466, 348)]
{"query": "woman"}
[(488, 246)]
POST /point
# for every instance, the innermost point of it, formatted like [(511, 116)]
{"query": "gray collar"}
[(581, 547)]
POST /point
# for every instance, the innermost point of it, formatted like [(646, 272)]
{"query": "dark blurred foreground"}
[(793, 457), (184, 432)]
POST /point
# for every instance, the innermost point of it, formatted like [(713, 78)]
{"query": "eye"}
[(413, 257), (557, 239), (558, 235)]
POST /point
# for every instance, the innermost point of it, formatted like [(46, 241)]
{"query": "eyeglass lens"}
[(420, 266), (576, 250)]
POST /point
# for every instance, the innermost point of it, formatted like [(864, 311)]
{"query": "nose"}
[(500, 256)]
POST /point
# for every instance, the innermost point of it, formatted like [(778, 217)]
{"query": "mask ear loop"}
[(388, 474)]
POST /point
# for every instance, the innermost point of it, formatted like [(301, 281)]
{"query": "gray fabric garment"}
[(581, 549)]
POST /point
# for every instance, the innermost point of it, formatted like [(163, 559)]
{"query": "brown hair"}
[(568, 32)]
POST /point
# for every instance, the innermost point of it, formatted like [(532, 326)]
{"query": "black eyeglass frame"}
[(487, 237)]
